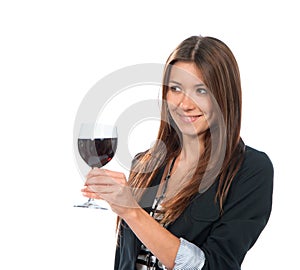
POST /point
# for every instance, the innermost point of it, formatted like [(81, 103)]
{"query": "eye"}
[(201, 91), (174, 88)]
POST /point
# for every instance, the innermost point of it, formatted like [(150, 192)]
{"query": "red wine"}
[(97, 152)]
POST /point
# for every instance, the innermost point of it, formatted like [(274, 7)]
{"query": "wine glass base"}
[(91, 205)]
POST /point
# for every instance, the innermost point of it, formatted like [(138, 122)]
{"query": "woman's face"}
[(188, 99)]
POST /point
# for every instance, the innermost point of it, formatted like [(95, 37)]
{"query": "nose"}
[(186, 102)]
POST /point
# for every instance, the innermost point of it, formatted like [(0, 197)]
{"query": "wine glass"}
[(97, 144)]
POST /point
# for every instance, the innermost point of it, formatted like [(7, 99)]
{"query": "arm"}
[(112, 187), (159, 240), (230, 236), (246, 213)]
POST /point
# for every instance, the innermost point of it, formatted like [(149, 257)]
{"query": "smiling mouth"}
[(189, 118)]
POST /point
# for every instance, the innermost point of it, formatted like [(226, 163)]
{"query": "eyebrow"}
[(200, 84)]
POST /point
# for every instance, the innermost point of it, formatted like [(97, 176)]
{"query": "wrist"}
[(132, 214)]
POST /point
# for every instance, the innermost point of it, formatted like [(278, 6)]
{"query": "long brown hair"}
[(224, 148)]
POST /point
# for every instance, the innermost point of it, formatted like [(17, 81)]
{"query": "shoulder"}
[(256, 156), (256, 163), (255, 177)]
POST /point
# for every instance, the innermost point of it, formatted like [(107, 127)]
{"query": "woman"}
[(199, 198)]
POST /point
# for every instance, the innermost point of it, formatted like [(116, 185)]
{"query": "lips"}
[(189, 118)]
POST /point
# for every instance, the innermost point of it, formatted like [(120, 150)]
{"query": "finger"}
[(100, 190), (103, 189), (91, 195), (101, 181), (96, 192), (113, 174), (105, 172), (106, 179)]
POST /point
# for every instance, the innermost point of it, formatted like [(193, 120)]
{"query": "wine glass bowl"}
[(97, 152), (97, 144)]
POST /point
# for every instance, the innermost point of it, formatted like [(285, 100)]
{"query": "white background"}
[(53, 52)]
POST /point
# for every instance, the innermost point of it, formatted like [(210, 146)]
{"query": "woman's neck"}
[(185, 165), (192, 149)]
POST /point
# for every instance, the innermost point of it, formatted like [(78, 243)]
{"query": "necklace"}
[(158, 200), (148, 259)]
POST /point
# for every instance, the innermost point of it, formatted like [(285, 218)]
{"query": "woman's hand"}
[(112, 187)]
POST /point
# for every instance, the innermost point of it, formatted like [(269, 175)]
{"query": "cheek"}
[(171, 98), (172, 101), (207, 108), (205, 105)]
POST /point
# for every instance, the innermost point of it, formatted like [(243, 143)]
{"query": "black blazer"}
[(224, 239)]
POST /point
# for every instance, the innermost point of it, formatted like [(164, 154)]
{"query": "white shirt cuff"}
[(189, 256)]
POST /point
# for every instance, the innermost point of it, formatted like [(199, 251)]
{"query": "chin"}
[(192, 131)]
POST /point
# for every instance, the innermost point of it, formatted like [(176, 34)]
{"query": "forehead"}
[(186, 72)]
